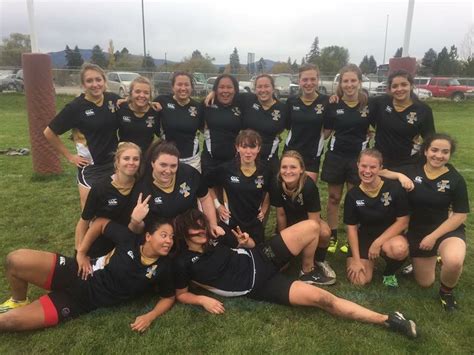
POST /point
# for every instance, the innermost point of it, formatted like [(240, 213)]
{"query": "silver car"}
[(119, 82)]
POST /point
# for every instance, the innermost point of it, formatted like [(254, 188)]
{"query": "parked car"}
[(449, 88), (119, 82), (10, 82), (210, 83), (422, 94), (162, 83), (329, 86), (466, 81), (421, 80), (282, 85)]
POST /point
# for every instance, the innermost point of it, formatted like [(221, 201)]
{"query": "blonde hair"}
[(361, 96), (141, 80), (90, 66), (293, 194), (121, 148)]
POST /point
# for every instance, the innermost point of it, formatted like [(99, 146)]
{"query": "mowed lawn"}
[(41, 213)]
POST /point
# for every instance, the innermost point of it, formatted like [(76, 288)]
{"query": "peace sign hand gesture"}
[(141, 209), (243, 238)]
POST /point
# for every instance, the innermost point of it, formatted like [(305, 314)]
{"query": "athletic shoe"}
[(316, 277), (344, 248), (407, 270), (12, 304), (390, 281), (326, 269), (332, 245), (448, 301), (397, 322)]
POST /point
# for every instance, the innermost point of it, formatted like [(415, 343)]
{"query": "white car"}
[(119, 82), (422, 94), (244, 86)]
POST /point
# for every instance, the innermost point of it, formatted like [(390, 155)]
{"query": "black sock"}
[(334, 234), (392, 265), (445, 289), (320, 254)]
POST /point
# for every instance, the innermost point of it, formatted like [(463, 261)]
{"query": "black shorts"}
[(338, 170), (271, 166), (270, 284), (90, 175), (256, 231), (209, 163), (415, 239), (311, 163), (101, 246), (364, 245)]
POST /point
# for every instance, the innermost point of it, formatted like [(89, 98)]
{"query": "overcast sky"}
[(270, 29)]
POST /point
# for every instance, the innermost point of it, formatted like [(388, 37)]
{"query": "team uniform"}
[(222, 125), (227, 270), (138, 130), (181, 125), (373, 215), (350, 137), (397, 133), (245, 195), (296, 210), (187, 189), (99, 127), (123, 278), (431, 202), (305, 129)]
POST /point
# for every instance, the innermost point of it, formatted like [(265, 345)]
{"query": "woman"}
[(74, 293), (138, 121), (181, 119), (376, 216), (111, 198), (348, 123), (440, 205), (94, 115), (223, 122), (296, 198), (235, 267), (305, 120), (246, 185)]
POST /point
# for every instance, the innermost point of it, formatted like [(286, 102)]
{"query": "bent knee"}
[(452, 263), (425, 282), (14, 258), (397, 250), (334, 199)]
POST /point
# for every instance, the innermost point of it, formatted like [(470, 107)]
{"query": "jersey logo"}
[(259, 181), (388, 109), (340, 111), (151, 271), (195, 259), (150, 121), (236, 111), (184, 189), (158, 200), (126, 119), (360, 203), (214, 106), (256, 107), (170, 106), (112, 202), (111, 106), (276, 115), (283, 196), (89, 112), (296, 108), (411, 118), (130, 254), (235, 179), (193, 111), (319, 108), (364, 112), (62, 260), (443, 185), (419, 179), (386, 198), (299, 199)]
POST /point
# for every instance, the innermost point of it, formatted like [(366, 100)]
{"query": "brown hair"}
[(191, 219), (269, 77), (362, 96), (182, 73), (249, 137), (301, 181), (441, 136), (307, 67), (371, 152), (404, 74), (156, 149)]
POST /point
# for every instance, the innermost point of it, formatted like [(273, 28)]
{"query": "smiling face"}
[(140, 95), (225, 91), (182, 88), (368, 167), (400, 89), (164, 168), (161, 241), (438, 153), (93, 83), (128, 162), (290, 170), (264, 90), (350, 85), (309, 81)]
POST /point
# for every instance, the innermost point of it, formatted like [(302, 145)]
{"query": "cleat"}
[(407, 270), (332, 245), (390, 281), (448, 301), (326, 269), (316, 277), (344, 248), (10, 304), (397, 322)]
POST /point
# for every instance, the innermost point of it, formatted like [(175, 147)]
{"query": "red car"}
[(448, 87)]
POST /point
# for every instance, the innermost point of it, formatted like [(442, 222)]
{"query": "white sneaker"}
[(407, 270), (326, 269)]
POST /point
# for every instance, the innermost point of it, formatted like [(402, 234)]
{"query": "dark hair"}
[(191, 219), (371, 152), (404, 74), (223, 76), (248, 137), (442, 136), (156, 223), (362, 96), (182, 73), (307, 67), (154, 151)]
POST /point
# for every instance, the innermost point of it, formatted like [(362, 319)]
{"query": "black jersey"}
[(396, 132), (180, 124), (432, 200), (222, 268), (104, 200), (305, 125), (296, 210), (124, 277), (98, 124), (223, 124), (374, 215), (245, 193), (138, 130), (187, 189), (350, 126), (268, 123)]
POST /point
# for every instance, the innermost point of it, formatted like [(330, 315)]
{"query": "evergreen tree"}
[(314, 53), (364, 65), (234, 62), (148, 62), (196, 54), (372, 65), (261, 65), (73, 58), (98, 57), (429, 59), (468, 67), (447, 63), (398, 53), (294, 67)]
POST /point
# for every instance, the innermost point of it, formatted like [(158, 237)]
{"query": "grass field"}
[(41, 212)]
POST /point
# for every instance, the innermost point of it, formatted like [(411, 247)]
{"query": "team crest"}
[(299, 199), (256, 107), (411, 118), (443, 185), (418, 179), (236, 111), (364, 112), (259, 181), (276, 115), (151, 271), (126, 119), (184, 189), (111, 106), (150, 121), (283, 196), (319, 108), (192, 111), (388, 109), (386, 198)]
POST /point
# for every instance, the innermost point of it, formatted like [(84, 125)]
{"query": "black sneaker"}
[(448, 301), (317, 277), (396, 321)]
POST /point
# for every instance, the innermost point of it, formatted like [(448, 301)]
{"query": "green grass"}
[(41, 213)]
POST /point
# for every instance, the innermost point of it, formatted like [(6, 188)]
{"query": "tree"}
[(428, 60), (467, 45), (261, 65), (447, 63), (398, 53), (364, 65), (333, 58), (372, 65), (294, 67), (234, 62), (196, 54), (98, 57), (111, 64), (197, 63), (148, 62), (468, 67), (12, 49), (314, 53), (281, 67), (73, 57)]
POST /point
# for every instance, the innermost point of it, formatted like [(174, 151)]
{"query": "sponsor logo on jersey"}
[(112, 202), (419, 179), (111, 106), (130, 254), (296, 108), (126, 119), (158, 200), (259, 181), (62, 260), (386, 198), (276, 115), (360, 203), (90, 112), (214, 106), (411, 118), (299, 199), (340, 111), (184, 189), (170, 106), (256, 107), (364, 112), (388, 109), (443, 185), (283, 196), (236, 111), (193, 111), (150, 121), (319, 108), (235, 179), (195, 259), (151, 271)]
